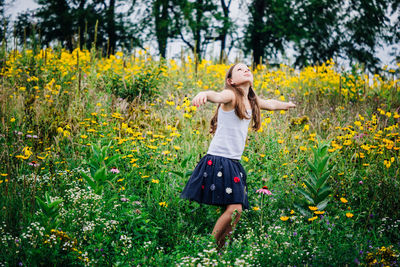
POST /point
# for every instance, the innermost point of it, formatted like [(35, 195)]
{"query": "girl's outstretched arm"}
[(224, 96), (272, 104)]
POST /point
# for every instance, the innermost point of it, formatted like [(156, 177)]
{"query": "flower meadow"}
[(95, 152)]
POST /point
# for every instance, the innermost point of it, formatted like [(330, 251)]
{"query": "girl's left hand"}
[(290, 104)]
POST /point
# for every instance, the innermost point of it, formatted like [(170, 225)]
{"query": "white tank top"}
[(230, 137)]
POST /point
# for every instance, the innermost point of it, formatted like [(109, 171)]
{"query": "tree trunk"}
[(162, 28), (224, 33), (257, 35), (111, 28)]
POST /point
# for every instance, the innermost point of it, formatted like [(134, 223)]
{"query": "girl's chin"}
[(245, 82)]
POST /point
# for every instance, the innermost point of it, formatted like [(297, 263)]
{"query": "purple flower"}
[(28, 135), (356, 261), (124, 199), (114, 170), (295, 233), (360, 182)]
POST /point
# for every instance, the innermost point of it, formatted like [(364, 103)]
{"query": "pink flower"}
[(236, 179), (360, 182), (209, 162), (264, 191), (114, 170), (33, 163)]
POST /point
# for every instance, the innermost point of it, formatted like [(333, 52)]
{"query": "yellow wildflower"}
[(313, 218)]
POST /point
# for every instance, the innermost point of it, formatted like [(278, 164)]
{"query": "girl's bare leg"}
[(225, 224)]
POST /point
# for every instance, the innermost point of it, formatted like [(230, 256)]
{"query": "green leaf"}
[(322, 180), (310, 187), (89, 180), (306, 195), (302, 210), (55, 203), (322, 164), (312, 167), (99, 190), (314, 178), (180, 174), (111, 160), (96, 151), (184, 162), (323, 204), (100, 174), (324, 193), (324, 149), (42, 205)]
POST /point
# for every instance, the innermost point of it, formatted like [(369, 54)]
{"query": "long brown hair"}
[(240, 108)]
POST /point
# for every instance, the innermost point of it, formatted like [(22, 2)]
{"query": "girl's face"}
[(241, 75)]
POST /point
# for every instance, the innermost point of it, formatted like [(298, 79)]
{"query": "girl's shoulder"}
[(229, 94)]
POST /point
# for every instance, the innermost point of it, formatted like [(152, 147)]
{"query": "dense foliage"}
[(95, 152)]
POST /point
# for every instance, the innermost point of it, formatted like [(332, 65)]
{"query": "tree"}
[(365, 30), (24, 27), (4, 20), (162, 22), (196, 22), (73, 23), (269, 25), (56, 21), (317, 37), (321, 29)]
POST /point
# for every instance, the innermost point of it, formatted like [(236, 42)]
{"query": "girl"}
[(219, 178)]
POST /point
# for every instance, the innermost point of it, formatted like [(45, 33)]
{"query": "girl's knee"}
[(235, 208)]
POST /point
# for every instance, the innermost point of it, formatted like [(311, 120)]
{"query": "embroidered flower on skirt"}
[(217, 181)]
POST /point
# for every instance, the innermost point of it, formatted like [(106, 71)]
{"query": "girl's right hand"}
[(200, 99)]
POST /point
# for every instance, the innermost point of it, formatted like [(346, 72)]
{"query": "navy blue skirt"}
[(217, 181)]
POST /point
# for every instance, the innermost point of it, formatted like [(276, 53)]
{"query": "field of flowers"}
[(95, 152)]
